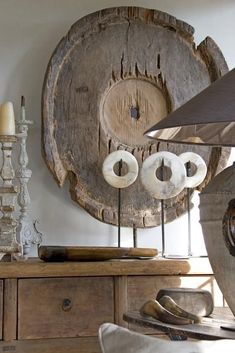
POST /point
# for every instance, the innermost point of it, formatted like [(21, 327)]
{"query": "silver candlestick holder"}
[(27, 234), (8, 195)]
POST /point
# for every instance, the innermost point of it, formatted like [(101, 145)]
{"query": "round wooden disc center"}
[(129, 108)]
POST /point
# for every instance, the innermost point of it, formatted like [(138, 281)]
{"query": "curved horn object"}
[(201, 169), (169, 304), (154, 309), (120, 181), (156, 187)]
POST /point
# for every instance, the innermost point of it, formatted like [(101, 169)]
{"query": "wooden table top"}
[(209, 329), (156, 266)]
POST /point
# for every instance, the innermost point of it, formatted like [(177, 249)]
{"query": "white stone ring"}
[(163, 189), (120, 181), (201, 169)]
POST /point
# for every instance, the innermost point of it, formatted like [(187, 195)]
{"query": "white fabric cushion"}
[(116, 339)]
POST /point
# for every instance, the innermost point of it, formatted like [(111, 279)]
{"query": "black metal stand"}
[(119, 205), (188, 172), (162, 212), (134, 237)]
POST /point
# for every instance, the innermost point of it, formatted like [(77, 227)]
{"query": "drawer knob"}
[(67, 304)]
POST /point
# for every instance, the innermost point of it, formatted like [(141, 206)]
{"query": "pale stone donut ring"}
[(201, 168), (163, 189), (120, 181)]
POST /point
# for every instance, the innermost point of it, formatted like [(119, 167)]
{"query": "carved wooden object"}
[(116, 73), (87, 253), (8, 195), (27, 233)]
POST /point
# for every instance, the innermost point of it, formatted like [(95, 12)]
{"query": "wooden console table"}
[(58, 307), (209, 329)]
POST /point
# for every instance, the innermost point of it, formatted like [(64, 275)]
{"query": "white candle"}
[(7, 119)]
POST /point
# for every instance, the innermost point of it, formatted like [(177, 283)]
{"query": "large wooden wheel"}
[(116, 73)]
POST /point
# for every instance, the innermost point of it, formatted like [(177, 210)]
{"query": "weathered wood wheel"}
[(117, 72)]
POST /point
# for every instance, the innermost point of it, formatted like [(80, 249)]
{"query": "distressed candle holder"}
[(8, 196), (27, 233)]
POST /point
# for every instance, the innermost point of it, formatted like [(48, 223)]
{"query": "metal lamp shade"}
[(207, 119)]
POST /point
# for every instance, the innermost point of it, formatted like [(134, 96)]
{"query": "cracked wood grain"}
[(110, 62)]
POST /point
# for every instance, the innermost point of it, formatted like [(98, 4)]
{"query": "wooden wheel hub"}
[(129, 107)]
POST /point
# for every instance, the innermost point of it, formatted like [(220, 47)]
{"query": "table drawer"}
[(64, 307), (1, 307)]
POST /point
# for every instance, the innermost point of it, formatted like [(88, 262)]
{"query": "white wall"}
[(29, 32)]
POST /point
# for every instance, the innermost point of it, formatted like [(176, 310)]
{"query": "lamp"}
[(209, 119)]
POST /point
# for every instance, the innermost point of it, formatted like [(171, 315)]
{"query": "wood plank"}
[(64, 307), (121, 306), (10, 309), (156, 266), (65, 345), (90, 253), (1, 308)]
